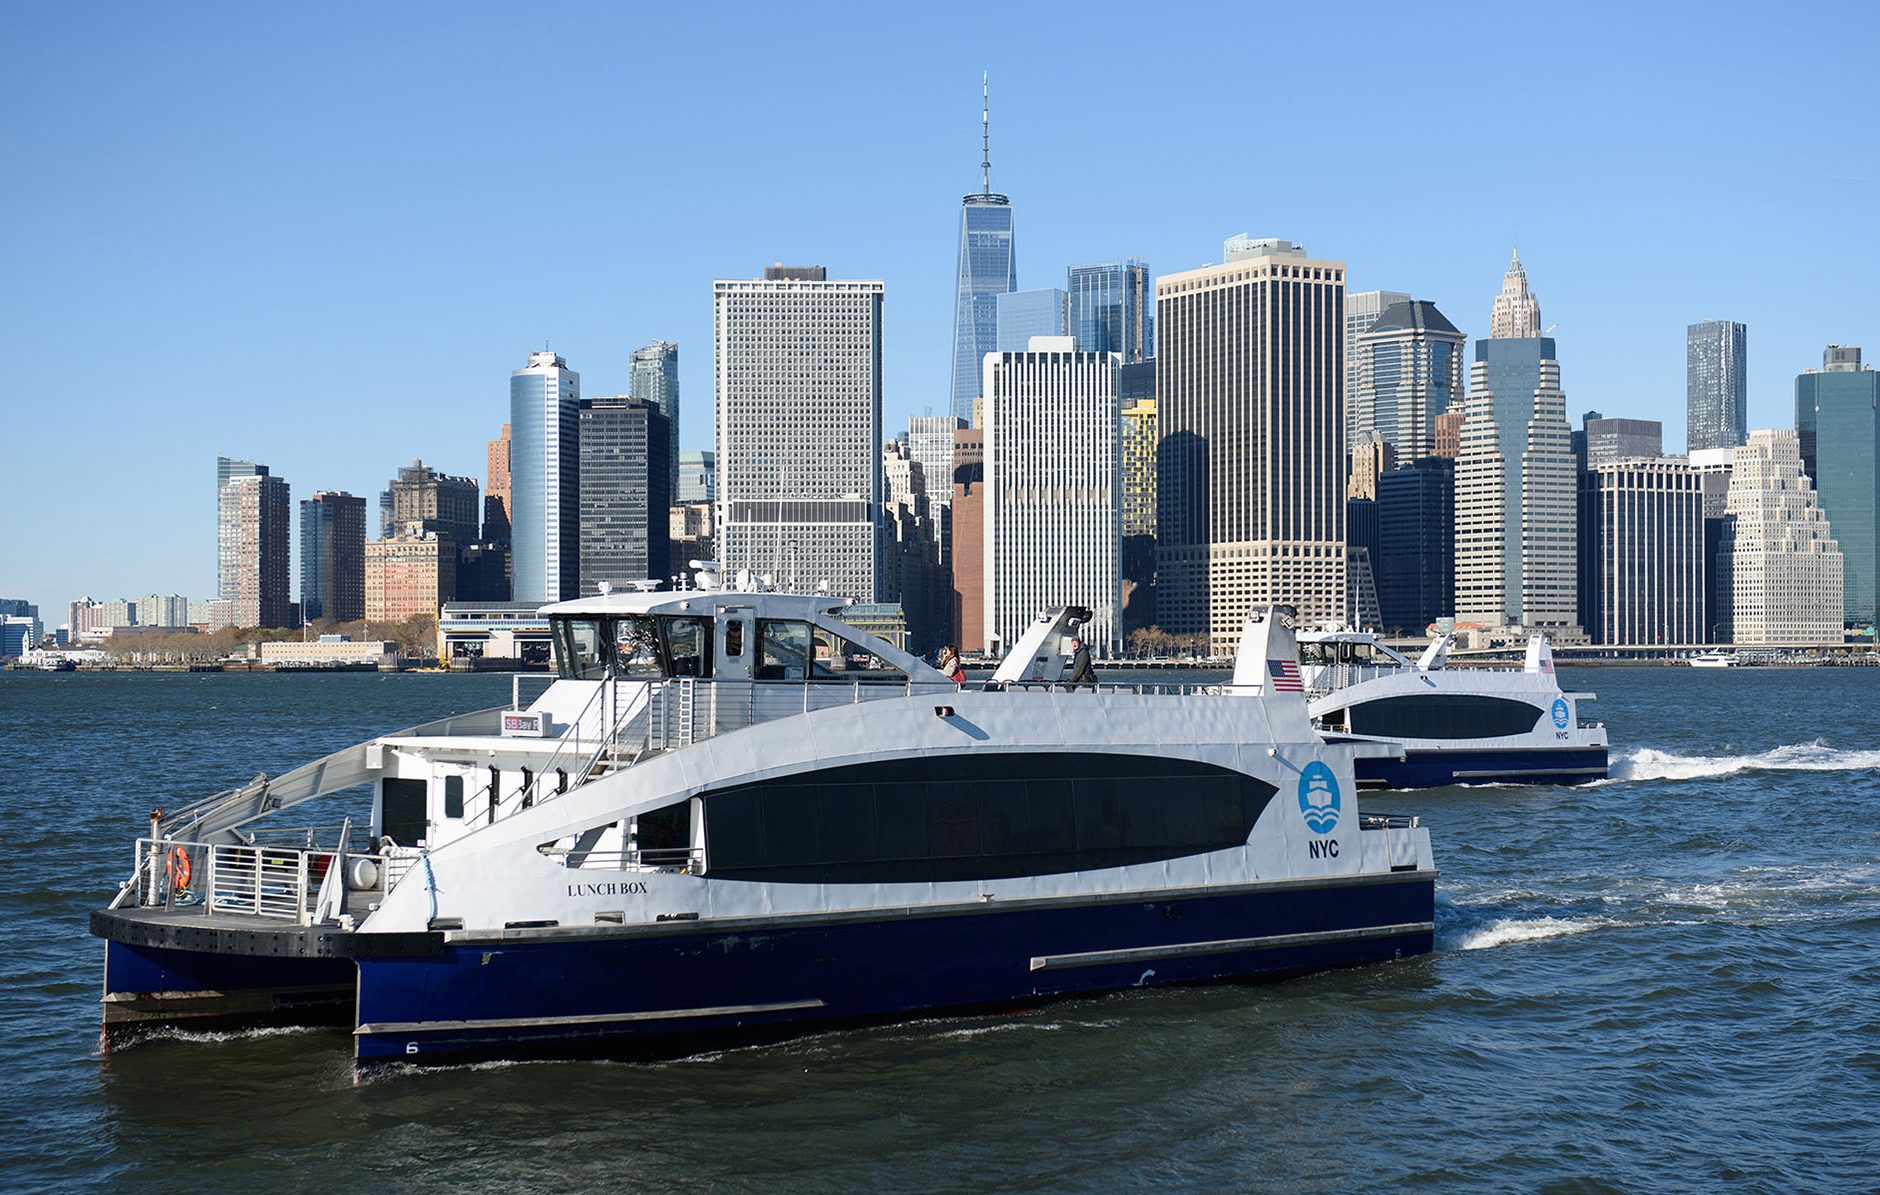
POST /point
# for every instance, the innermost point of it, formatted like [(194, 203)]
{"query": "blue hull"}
[(1436, 769), (146, 984), (646, 993)]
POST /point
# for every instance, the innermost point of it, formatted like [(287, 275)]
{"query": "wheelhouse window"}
[(638, 646), (793, 651)]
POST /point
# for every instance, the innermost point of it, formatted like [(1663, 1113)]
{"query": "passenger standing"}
[(949, 664), (1081, 674)]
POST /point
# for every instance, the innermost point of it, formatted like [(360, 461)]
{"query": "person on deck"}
[(949, 664), (1081, 675)]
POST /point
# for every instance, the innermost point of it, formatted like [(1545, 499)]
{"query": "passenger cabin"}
[(637, 673)]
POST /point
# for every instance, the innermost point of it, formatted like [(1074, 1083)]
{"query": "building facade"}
[(988, 268), (698, 475), (1780, 571), (1053, 535), (1837, 424), (1022, 314), (437, 501), (1408, 372), (1112, 309), (496, 491), (1608, 441), (332, 557), (1416, 545), (1362, 309), (545, 479), (655, 379), (1516, 479), (626, 504), (799, 389), (414, 573), (1716, 384), (254, 527), (1641, 546), (1250, 470)]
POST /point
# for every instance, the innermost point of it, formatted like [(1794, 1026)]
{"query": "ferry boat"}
[(1713, 659), (1452, 725), (732, 816)]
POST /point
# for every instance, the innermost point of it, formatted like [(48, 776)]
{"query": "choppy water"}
[(1670, 981)]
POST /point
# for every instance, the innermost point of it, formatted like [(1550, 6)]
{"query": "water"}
[(1670, 981)]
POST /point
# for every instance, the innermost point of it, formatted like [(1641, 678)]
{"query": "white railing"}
[(689, 860), (280, 883)]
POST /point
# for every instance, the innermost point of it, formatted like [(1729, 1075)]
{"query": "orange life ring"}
[(176, 866)]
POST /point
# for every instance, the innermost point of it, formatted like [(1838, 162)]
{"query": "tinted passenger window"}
[(1444, 716), (977, 816)]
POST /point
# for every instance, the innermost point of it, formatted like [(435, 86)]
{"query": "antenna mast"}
[(985, 131)]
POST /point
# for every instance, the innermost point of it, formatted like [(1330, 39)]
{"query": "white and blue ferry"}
[(1451, 725), (732, 816)]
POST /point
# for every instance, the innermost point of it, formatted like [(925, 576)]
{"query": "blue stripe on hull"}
[(135, 970), (662, 994), (1435, 769)]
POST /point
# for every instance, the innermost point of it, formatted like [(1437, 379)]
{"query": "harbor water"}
[(1666, 981)]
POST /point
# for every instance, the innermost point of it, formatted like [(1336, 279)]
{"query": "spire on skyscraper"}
[(1517, 313), (985, 132)]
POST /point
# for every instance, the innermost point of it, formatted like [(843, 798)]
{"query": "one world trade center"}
[(988, 268)]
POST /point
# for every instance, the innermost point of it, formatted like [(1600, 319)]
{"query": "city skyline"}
[(295, 276)]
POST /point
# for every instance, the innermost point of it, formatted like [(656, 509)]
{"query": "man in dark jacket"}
[(1081, 675)]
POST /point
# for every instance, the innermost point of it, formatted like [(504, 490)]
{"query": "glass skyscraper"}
[(1716, 384), (1837, 419), (545, 479), (1023, 314), (332, 557), (1112, 310), (655, 379), (988, 268)]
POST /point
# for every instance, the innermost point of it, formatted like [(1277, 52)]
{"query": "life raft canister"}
[(176, 866)]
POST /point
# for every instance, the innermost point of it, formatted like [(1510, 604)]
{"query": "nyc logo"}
[(1318, 797), (1560, 713)]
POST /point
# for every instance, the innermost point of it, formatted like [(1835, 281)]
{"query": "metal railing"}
[(281, 883), (689, 860)]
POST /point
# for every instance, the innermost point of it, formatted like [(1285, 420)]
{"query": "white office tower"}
[(545, 480), (1779, 568), (1516, 479), (798, 370), (1053, 528)]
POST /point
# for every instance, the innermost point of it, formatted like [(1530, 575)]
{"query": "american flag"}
[(1285, 675)]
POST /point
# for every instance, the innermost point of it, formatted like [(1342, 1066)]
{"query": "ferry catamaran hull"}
[(744, 846)]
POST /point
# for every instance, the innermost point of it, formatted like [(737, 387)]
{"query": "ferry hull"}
[(1437, 769), (146, 985), (639, 993)]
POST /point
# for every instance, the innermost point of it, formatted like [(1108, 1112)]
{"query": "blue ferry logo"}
[(1318, 798), (1560, 713)]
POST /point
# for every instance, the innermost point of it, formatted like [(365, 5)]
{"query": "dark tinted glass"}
[(1444, 716)]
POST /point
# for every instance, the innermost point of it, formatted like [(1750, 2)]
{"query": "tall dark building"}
[(439, 502), (1837, 420), (333, 557), (1416, 544), (1716, 384), (626, 496)]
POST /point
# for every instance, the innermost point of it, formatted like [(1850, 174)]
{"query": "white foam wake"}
[(1532, 929), (1647, 763)]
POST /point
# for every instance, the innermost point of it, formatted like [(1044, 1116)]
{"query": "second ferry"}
[(734, 816)]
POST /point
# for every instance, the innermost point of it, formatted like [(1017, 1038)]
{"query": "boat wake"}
[(1647, 763), (1509, 931)]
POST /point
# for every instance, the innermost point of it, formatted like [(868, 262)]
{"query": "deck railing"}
[(281, 883)]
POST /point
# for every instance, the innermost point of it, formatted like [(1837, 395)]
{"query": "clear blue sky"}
[(322, 236)]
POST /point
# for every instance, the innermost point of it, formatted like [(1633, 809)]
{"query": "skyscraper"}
[(1112, 309), (698, 475), (434, 501), (1022, 314), (655, 379), (1779, 570), (226, 468), (332, 557), (798, 367), (1515, 478), (1408, 371), (1837, 422), (1362, 307), (496, 491), (625, 503), (1139, 436), (1250, 473), (1716, 384), (1612, 440), (254, 526), (930, 441), (1416, 549), (1641, 546), (1052, 532), (988, 268), (545, 479)]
